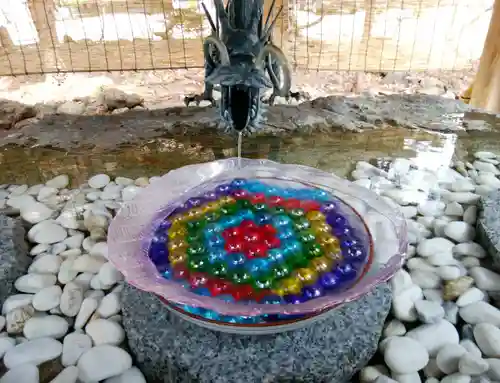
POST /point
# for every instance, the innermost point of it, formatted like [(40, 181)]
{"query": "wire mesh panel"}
[(50, 36)]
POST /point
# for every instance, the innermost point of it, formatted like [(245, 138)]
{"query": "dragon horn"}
[(221, 47), (280, 58), (222, 14)]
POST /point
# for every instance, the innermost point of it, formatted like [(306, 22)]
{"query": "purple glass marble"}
[(336, 220), (194, 202), (328, 207), (345, 272), (328, 280), (210, 196), (293, 299), (223, 189), (238, 182), (311, 292), (165, 225)]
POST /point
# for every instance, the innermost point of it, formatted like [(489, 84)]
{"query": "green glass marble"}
[(297, 260), (197, 263), (306, 236), (240, 276), (218, 269), (301, 224), (262, 283), (243, 204), (296, 213), (277, 210), (196, 248), (280, 271), (313, 250), (229, 209), (193, 237), (212, 216), (259, 207)]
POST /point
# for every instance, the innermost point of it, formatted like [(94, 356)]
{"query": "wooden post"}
[(486, 87)]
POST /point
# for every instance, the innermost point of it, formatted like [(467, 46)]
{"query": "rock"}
[(14, 259), (35, 352), (494, 371), (71, 299), (110, 305), (487, 338), (47, 298), (449, 273), (450, 312), (448, 357), (47, 232), (46, 264), (480, 312), (428, 311), (371, 373), (88, 307), (88, 263), (486, 167), (132, 375), (471, 347), (470, 296), (74, 346), (99, 181), (6, 344), (68, 375), (453, 289), (434, 336), (394, 328), (75, 241), (103, 331), (413, 377), (36, 212), (50, 326), (454, 209), (33, 283), (26, 373), (470, 215), (102, 362), (148, 336), (460, 231), (100, 249), (405, 355), (431, 208), (470, 364), (456, 378), (425, 279), (109, 275), (485, 279), (403, 305), (16, 301), (488, 225)]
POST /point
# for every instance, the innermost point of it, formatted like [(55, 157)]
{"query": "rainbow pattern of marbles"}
[(248, 241)]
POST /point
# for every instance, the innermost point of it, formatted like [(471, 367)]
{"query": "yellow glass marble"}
[(177, 244), (210, 206), (178, 232), (194, 213), (178, 256), (327, 240), (322, 264), (319, 227), (287, 286), (334, 253), (227, 199), (178, 220), (315, 215), (306, 275)]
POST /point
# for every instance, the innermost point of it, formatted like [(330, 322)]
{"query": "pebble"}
[(6, 344), (429, 247), (35, 351), (456, 378), (405, 355), (110, 305), (460, 231), (109, 275), (132, 375), (470, 364), (485, 279), (33, 283), (88, 263), (470, 215), (434, 336), (487, 337), (429, 311), (104, 331), (394, 328), (470, 296), (74, 346), (454, 209), (71, 299), (88, 307), (371, 373), (453, 289), (25, 373), (471, 347), (494, 370), (68, 375), (99, 181), (51, 326), (16, 301), (469, 249), (59, 182), (480, 312), (35, 212), (448, 357), (103, 362), (46, 264)]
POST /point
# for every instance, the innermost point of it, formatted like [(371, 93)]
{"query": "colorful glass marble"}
[(249, 241)]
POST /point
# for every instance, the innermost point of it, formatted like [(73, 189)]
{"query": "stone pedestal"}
[(488, 226), (169, 349), (14, 259)]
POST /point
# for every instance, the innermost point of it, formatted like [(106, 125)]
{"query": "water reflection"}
[(334, 152)]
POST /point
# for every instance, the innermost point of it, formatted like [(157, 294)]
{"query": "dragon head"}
[(242, 79)]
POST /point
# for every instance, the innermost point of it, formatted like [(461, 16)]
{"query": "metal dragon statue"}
[(239, 55)]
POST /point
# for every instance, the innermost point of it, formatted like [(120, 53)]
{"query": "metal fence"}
[(51, 36)]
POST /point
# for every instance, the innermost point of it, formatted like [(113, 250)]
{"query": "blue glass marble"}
[(229, 221), (245, 214), (255, 187), (226, 298), (272, 300), (159, 238), (165, 225), (262, 218), (234, 260), (210, 196), (203, 291), (211, 315), (289, 193), (281, 221), (346, 272), (223, 189), (212, 228), (167, 272), (215, 241), (311, 292), (158, 252), (291, 247), (229, 319), (193, 310), (354, 254), (276, 255), (216, 255), (271, 190), (285, 233), (258, 267), (320, 195), (336, 220)]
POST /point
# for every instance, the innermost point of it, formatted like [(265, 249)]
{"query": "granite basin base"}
[(169, 349), (488, 226)]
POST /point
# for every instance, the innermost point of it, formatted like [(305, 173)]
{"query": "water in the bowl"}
[(251, 241)]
